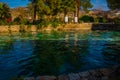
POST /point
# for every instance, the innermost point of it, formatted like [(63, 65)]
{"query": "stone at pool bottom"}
[(100, 74)]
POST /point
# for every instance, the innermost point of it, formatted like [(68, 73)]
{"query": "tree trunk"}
[(34, 15), (76, 12), (65, 16)]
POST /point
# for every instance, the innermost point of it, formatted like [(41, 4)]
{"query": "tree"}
[(113, 4), (54, 7), (33, 2), (85, 5), (5, 15), (67, 5), (4, 11), (46, 7), (81, 4), (30, 10)]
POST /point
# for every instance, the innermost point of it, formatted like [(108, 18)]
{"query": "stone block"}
[(73, 76), (30, 78), (46, 78), (63, 77)]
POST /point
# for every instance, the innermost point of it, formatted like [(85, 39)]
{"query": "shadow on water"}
[(106, 26), (111, 52), (55, 57)]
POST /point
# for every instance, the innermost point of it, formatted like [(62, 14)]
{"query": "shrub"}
[(20, 20), (3, 22), (39, 25), (17, 20), (101, 19), (55, 22), (117, 20), (42, 23), (86, 19)]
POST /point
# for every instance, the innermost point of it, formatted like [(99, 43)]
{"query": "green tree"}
[(86, 4), (86, 18), (67, 6), (113, 4), (54, 7), (45, 7), (34, 8), (4, 12), (83, 4)]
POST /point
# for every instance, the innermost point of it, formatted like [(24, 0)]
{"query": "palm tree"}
[(34, 6), (76, 10), (4, 11), (82, 4)]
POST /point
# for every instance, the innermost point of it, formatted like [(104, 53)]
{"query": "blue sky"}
[(98, 4), (15, 3)]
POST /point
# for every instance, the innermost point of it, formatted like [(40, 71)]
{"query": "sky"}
[(97, 4)]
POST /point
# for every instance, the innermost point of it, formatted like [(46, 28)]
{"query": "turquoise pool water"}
[(55, 53)]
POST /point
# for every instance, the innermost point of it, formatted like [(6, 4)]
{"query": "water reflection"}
[(54, 57), (111, 52), (32, 54)]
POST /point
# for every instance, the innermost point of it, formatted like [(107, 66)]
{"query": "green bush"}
[(17, 20), (39, 25), (20, 20), (3, 22), (117, 20), (101, 19), (42, 23), (86, 18), (55, 22)]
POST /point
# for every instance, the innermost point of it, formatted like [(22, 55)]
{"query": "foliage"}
[(117, 20), (30, 9), (17, 20), (55, 22), (67, 5), (54, 7), (20, 20), (46, 7), (85, 4), (113, 4), (3, 22), (44, 23), (86, 18), (4, 13), (101, 19)]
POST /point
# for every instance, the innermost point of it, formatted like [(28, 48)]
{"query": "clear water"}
[(33, 54)]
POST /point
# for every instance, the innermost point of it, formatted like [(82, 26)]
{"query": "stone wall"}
[(63, 27), (18, 28), (77, 27), (33, 28), (106, 26)]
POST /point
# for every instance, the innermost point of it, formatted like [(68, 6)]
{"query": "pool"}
[(55, 53)]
